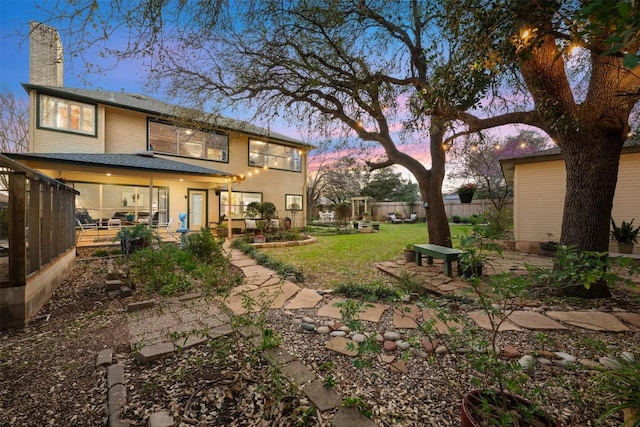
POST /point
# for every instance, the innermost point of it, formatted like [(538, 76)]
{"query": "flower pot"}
[(259, 239), (467, 271), (547, 249), (409, 255), (625, 248), (472, 412), (465, 197)]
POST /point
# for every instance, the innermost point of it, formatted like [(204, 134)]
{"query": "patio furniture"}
[(394, 220), (113, 224), (441, 252), (413, 219)]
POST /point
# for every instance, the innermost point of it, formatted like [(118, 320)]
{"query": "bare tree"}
[(14, 126), (14, 123), (363, 65)]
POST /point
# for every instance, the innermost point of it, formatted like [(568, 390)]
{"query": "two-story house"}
[(133, 156)]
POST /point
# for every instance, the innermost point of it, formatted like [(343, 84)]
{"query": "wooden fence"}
[(38, 246)]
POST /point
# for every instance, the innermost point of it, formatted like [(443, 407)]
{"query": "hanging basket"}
[(466, 197)]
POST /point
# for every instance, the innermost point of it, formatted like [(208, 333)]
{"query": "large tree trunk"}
[(431, 187), (592, 175)]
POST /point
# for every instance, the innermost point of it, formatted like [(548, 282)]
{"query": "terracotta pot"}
[(475, 398), (409, 255)]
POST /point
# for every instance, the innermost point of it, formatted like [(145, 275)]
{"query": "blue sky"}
[(14, 54)]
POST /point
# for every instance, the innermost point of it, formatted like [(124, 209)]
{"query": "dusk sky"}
[(15, 16)]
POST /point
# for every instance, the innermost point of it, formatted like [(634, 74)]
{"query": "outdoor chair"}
[(394, 220), (167, 226), (413, 219), (214, 224), (113, 224)]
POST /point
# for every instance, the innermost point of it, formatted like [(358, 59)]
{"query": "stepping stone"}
[(297, 372), (399, 366), (243, 262), (278, 294), (104, 358), (191, 340), (323, 398), (406, 316), (161, 419), (342, 345), (533, 321), (592, 320), (370, 311), (242, 288), (306, 298), (150, 353), (278, 356), (482, 320), (256, 270), (219, 331), (439, 325), (349, 417), (631, 318)]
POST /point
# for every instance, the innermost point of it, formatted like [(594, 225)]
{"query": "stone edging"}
[(309, 240)]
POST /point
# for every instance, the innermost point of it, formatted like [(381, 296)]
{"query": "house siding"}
[(539, 190), (125, 131)]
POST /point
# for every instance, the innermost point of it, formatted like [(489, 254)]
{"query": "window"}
[(274, 156), (66, 115), (170, 139), (239, 202), (293, 202)]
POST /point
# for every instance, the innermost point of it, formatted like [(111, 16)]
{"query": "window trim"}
[(39, 117), (198, 129), (287, 203), (262, 165), (222, 211)]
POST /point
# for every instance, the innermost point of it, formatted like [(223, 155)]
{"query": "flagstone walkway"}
[(158, 331)]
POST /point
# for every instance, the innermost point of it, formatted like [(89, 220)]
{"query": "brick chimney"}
[(45, 56)]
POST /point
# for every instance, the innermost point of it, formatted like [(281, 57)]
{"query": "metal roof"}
[(149, 105)]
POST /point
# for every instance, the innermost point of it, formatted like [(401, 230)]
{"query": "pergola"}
[(357, 203)]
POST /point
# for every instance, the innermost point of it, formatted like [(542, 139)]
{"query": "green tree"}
[(583, 103), (385, 184)]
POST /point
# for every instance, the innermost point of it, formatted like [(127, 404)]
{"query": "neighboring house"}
[(539, 184), (132, 154)]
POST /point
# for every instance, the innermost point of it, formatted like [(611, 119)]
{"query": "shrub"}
[(205, 246)]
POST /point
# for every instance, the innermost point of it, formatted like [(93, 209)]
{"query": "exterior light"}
[(523, 145), (108, 173)]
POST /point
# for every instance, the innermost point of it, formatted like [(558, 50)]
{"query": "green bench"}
[(440, 252)]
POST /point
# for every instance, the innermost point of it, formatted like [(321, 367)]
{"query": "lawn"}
[(350, 258)]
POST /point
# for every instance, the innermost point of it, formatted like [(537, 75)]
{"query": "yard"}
[(350, 258)]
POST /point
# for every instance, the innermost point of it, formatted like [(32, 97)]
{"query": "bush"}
[(376, 291), (205, 246)]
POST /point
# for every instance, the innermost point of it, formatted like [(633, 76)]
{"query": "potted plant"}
[(136, 237), (258, 236), (498, 396), (475, 256), (548, 248), (466, 192), (409, 253), (625, 235), (265, 211)]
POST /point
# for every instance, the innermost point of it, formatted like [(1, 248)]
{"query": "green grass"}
[(350, 258)]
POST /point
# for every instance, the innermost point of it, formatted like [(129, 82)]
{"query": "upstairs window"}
[(66, 115), (274, 156), (171, 139)]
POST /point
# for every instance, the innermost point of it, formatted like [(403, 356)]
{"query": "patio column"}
[(228, 213)]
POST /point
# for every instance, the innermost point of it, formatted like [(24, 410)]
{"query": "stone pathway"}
[(157, 330)]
